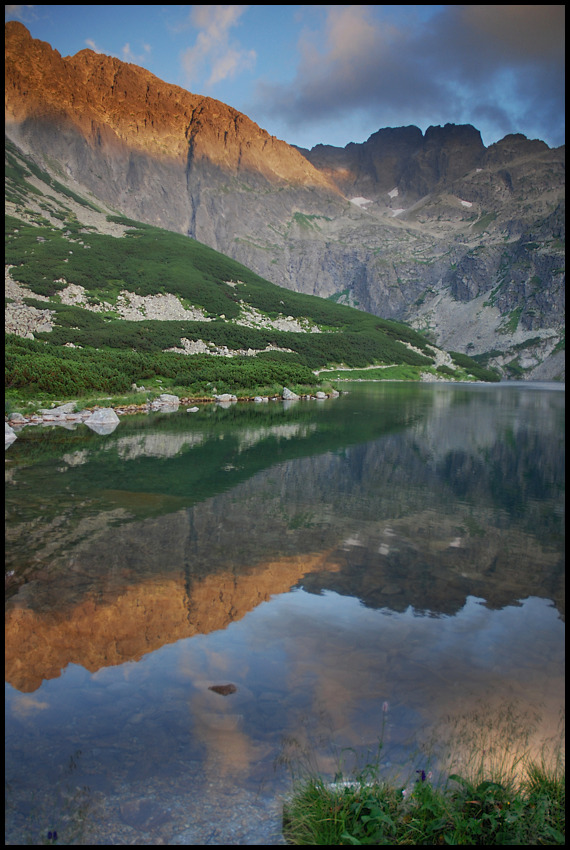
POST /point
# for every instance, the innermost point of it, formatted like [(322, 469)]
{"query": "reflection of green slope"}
[(222, 450), (441, 470)]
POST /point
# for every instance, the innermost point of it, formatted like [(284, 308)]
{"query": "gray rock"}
[(165, 402), (61, 410), (10, 436), (103, 421), (288, 395)]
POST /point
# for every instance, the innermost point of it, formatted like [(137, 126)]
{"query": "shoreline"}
[(66, 415)]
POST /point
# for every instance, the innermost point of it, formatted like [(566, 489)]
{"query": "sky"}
[(336, 74)]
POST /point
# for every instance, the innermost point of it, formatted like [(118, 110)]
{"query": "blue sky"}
[(336, 74)]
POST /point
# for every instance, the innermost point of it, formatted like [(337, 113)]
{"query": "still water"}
[(375, 566)]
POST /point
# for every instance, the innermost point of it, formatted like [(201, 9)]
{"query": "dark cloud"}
[(500, 68)]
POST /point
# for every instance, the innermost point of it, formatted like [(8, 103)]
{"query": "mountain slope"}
[(464, 242), (98, 302)]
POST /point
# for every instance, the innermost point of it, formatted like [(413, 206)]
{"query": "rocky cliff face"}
[(435, 229), (401, 157), (120, 108)]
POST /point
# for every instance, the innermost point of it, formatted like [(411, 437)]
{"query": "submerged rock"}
[(224, 690)]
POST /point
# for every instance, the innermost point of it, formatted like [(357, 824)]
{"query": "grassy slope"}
[(48, 248)]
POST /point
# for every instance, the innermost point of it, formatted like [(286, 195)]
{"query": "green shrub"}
[(460, 812), (501, 796), (473, 368), (446, 370)]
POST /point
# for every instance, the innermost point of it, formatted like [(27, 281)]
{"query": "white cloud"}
[(92, 46), (128, 55), (21, 13), (214, 52)]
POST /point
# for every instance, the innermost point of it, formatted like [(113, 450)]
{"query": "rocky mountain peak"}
[(514, 146), (123, 108), (451, 135), (402, 157), (447, 154), (374, 166)]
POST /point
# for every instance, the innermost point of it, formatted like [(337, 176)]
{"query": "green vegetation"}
[(502, 796), (17, 175), (446, 371), (511, 323), (308, 222), (34, 369), (387, 373), (90, 352), (473, 368), (484, 221), (485, 813)]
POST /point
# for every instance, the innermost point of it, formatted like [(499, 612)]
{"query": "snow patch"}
[(360, 202)]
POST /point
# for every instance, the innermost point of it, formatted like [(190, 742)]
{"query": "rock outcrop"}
[(10, 435)]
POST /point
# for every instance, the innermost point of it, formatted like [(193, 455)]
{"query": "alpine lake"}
[(200, 606)]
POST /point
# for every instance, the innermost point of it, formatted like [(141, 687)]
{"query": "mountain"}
[(101, 304), (466, 243)]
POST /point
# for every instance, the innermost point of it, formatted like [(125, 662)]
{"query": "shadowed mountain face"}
[(462, 241), (401, 157)]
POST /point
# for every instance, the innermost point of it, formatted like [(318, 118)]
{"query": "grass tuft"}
[(502, 796)]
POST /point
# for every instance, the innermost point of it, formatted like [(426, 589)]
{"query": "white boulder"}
[(103, 421), (288, 395)]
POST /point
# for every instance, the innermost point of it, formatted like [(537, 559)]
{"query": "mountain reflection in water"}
[(401, 544)]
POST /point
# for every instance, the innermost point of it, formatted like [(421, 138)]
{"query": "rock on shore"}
[(10, 435), (105, 420)]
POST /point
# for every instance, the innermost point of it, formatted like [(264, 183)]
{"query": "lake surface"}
[(388, 564)]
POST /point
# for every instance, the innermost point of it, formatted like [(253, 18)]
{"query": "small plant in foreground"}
[(522, 805), (458, 813)]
